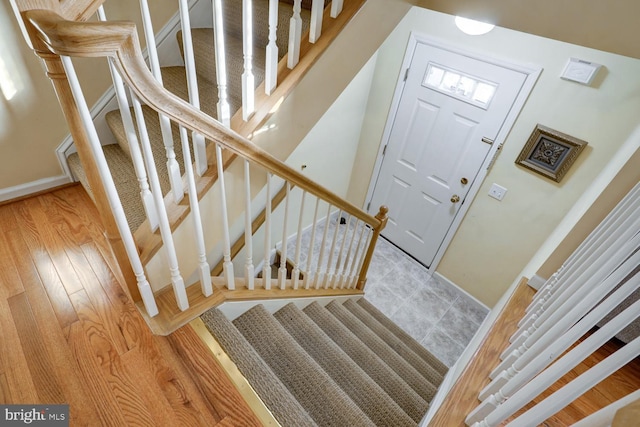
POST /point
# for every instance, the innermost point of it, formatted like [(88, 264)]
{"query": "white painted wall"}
[(497, 239)]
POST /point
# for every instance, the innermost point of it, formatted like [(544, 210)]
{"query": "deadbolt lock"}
[(464, 181), (455, 198)]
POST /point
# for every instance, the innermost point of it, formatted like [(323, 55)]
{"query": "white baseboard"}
[(536, 282), (449, 282), (33, 187)]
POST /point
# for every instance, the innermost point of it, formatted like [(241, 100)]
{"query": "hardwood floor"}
[(463, 397), (621, 383), (69, 334)]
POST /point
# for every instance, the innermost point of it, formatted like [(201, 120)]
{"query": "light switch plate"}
[(497, 191)]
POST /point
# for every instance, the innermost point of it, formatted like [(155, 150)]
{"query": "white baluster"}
[(310, 269), (271, 65), (337, 278), (542, 294), (509, 382), (282, 271), (336, 8), (165, 228), (295, 275), (132, 139), (609, 230), (357, 259), (199, 148), (578, 286), (567, 394), (227, 265), (295, 35), (204, 270), (322, 269), (344, 273), (315, 29), (248, 242), (110, 188), (248, 80), (628, 206), (173, 169), (562, 320), (224, 111), (330, 265), (266, 265)]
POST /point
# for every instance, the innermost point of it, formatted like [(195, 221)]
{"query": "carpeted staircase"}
[(174, 79), (344, 364)]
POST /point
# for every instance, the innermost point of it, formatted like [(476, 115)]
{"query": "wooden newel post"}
[(382, 217), (55, 72)]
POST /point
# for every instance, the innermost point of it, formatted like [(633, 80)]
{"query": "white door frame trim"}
[(532, 73)]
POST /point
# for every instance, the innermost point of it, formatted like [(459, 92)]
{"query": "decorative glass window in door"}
[(460, 85)]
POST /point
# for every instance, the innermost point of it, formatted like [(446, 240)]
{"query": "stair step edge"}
[(363, 390)]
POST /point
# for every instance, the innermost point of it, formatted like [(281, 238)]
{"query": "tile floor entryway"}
[(437, 314)]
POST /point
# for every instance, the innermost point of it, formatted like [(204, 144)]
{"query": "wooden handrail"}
[(72, 10), (119, 40), (77, 10)]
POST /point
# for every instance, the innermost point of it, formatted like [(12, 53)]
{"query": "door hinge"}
[(487, 140), (406, 75), (384, 150), (368, 206)]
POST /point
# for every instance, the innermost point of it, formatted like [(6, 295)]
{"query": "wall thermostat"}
[(580, 71)]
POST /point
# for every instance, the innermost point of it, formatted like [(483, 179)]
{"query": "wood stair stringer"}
[(171, 318)]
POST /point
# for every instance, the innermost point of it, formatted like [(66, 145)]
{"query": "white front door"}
[(451, 109)]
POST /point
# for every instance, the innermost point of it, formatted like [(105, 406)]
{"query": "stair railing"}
[(599, 277), (347, 263), (165, 125)]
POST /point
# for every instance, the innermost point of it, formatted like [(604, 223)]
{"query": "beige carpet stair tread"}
[(427, 371), (328, 358), (206, 62), (407, 372), (410, 402), (274, 394), (368, 395), (174, 80), (157, 148), (203, 42), (124, 178), (403, 336), (327, 404)]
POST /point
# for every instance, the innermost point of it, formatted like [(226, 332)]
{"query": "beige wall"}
[(623, 181), (31, 123), (611, 26), (497, 239)]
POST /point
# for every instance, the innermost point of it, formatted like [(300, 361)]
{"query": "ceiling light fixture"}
[(473, 27)]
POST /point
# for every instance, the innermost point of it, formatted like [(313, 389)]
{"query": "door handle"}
[(455, 198)]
